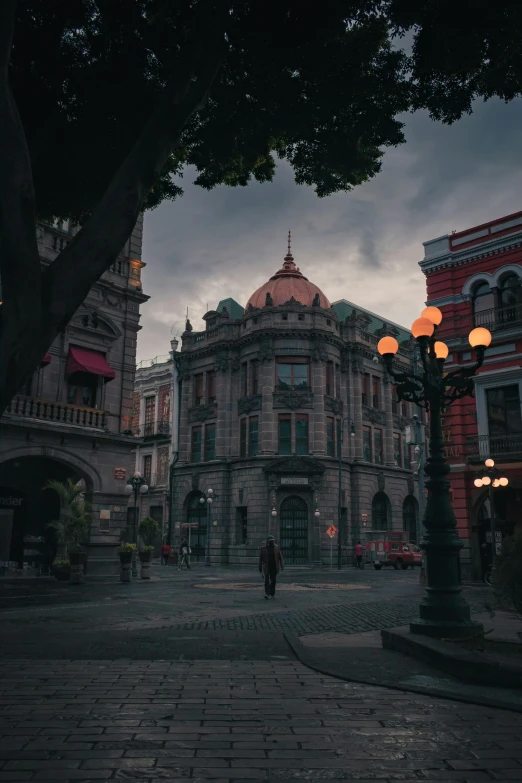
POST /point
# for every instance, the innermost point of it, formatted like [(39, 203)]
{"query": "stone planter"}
[(62, 573), (146, 560), (125, 566), (78, 560)]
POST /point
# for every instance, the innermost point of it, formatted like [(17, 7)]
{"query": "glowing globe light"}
[(496, 483), (422, 327), (503, 481), (441, 350), (387, 345), (490, 463), (486, 481), (433, 314), (479, 337), (478, 482)]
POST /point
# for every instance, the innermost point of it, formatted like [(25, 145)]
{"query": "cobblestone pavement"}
[(227, 721)]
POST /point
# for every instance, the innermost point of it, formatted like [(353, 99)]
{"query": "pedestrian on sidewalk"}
[(184, 552), (359, 555), (166, 549), (270, 563)]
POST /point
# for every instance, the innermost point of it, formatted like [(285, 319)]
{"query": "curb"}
[(304, 656)]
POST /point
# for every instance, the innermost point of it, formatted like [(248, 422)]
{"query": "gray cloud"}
[(363, 246)]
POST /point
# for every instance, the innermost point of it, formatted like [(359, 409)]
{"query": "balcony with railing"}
[(154, 429), (507, 447), (496, 319), (57, 412)]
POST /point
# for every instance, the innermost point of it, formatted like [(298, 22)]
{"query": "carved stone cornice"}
[(203, 412), (333, 404), (248, 404), (293, 399), (374, 416), (294, 464)]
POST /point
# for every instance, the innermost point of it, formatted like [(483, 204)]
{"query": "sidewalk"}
[(361, 658)]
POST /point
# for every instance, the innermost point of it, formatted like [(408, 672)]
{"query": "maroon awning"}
[(46, 360), (93, 362)]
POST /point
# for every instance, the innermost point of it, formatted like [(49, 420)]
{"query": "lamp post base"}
[(447, 630)]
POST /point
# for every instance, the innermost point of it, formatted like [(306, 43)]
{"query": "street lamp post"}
[(443, 611), (208, 499), (137, 486), (339, 485), (491, 478)]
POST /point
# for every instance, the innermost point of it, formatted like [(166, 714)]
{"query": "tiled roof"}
[(234, 308), (344, 309), (288, 282)]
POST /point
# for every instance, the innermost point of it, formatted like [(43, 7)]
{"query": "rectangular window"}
[(503, 406), (210, 442), (285, 434), (198, 389), (330, 437), (253, 436), (301, 433), (394, 400), (329, 386), (243, 438), (292, 374), (365, 382), (147, 469), (150, 407), (367, 444), (376, 392), (244, 379), (407, 455), (337, 381), (377, 446), (211, 387), (196, 444), (255, 376), (397, 450)]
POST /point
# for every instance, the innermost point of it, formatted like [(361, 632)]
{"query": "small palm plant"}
[(75, 518), (149, 531)]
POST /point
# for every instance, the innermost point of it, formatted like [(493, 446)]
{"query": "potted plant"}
[(126, 551), (149, 531), (61, 569), (73, 526)]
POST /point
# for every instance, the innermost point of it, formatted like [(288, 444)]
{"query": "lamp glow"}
[(144, 488), (486, 481), (503, 481), (128, 489), (422, 327), (441, 350), (274, 512), (479, 337), (490, 463), (202, 500), (433, 314), (478, 482), (496, 483), (317, 513), (387, 345)]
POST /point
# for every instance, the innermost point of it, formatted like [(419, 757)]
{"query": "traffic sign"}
[(331, 531)]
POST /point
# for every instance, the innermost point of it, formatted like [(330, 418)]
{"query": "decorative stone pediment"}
[(248, 404), (374, 416), (387, 330), (292, 302), (203, 412), (295, 464), (293, 399), (333, 404)]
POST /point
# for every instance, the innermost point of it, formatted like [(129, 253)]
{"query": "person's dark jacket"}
[(264, 558)]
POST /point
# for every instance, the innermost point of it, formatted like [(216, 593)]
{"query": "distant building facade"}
[(73, 418), (155, 421), (475, 277), (266, 391)]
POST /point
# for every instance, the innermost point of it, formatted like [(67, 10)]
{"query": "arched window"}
[(380, 505), (409, 517), (511, 299), (483, 301)]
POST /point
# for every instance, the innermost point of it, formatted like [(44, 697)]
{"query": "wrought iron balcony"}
[(154, 429), (507, 447), (58, 412), (497, 319)]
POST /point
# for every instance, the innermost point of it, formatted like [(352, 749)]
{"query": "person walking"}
[(359, 555), (166, 549), (270, 563), (184, 552)]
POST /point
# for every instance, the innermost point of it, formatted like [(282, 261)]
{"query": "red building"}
[(475, 278)]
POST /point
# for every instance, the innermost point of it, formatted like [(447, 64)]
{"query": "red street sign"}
[(120, 473), (331, 531)]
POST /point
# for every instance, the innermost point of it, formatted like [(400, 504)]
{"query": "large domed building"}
[(278, 400)]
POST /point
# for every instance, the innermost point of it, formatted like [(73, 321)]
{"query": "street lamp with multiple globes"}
[(208, 499), (491, 478), (137, 486), (443, 611)]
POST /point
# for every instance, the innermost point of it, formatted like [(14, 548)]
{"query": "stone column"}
[(347, 410), (318, 388), (357, 409), (222, 394), (184, 430), (268, 417), (388, 427)]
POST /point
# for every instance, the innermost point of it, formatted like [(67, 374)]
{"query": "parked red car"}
[(392, 548)]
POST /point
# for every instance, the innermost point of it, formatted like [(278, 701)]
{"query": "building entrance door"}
[(294, 531)]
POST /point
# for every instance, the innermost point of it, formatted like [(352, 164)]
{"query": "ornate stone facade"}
[(268, 445)]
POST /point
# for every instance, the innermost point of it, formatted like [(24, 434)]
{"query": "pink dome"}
[(288, 282)]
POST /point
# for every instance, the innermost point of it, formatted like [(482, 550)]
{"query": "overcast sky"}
[(363, 246)]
